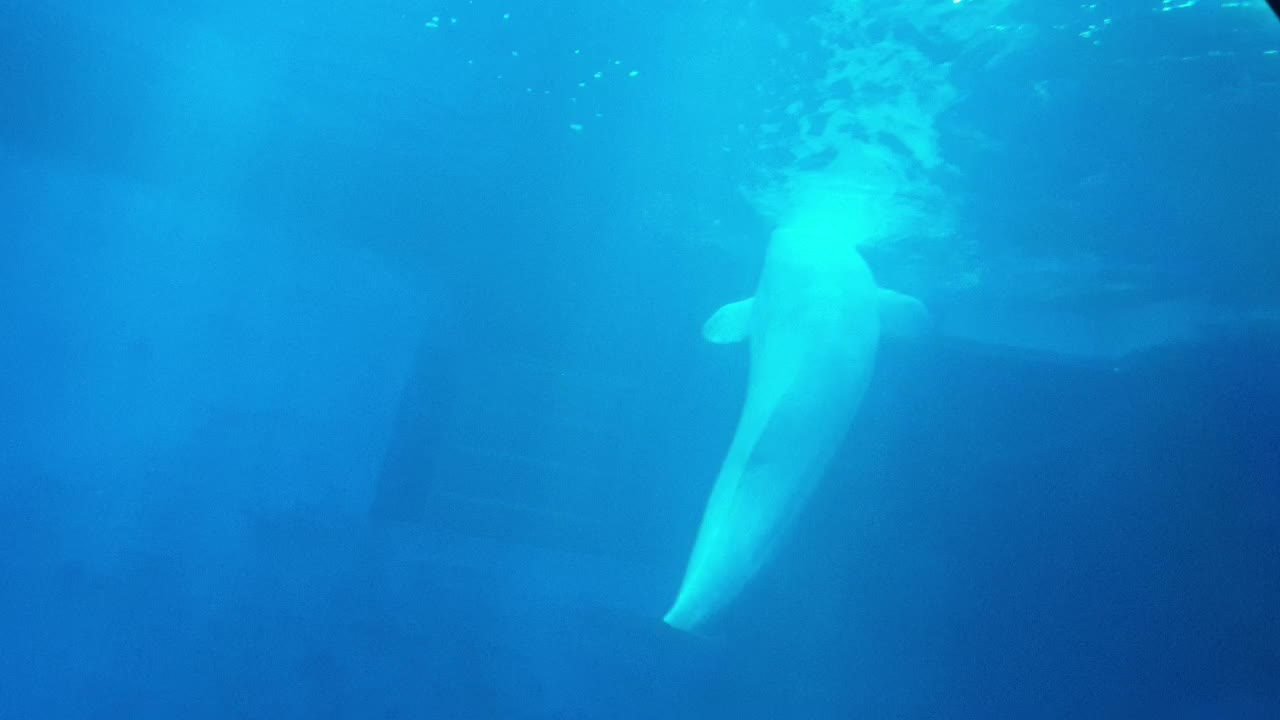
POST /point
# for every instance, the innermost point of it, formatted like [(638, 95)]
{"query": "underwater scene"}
[(675, 359)]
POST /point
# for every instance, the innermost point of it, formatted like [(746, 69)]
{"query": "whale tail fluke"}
[(680, 623)]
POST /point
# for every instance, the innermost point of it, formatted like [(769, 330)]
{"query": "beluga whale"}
[(813, 326)]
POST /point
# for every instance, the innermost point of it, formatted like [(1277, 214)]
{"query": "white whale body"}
[(813, 326)]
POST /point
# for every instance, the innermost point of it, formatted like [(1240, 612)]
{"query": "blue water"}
[(351, 368)]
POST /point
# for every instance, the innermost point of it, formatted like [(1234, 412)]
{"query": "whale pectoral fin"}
[(729, 324), (902, 315)]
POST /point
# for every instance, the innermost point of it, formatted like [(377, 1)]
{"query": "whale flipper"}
[(902, 316), (729, 324)]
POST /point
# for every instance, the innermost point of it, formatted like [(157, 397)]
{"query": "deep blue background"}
[(342, 378)]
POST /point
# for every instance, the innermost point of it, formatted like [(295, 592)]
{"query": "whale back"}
[(815, 315)]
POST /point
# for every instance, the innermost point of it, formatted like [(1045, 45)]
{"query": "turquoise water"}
[(353, 365)]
